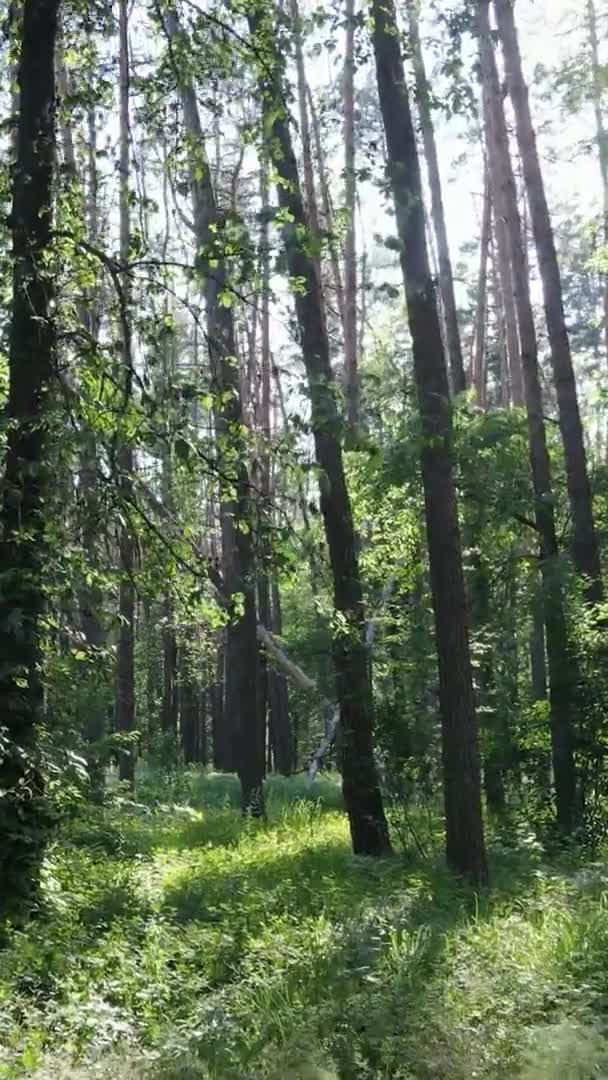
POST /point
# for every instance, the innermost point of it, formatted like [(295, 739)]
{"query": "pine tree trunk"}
[(125, 649), (462, 781), (503, 259), (241, 678), (562, 673), (281, 734), (479, 357), (446, 278), (585, 551), (597, 84), (361, 788), (27, 480), (312, 212), (327, 208), (351, 373)]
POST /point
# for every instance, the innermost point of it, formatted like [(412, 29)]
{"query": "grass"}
[(178, 941)]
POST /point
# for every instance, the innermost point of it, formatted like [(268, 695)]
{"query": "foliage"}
[(187, 943)]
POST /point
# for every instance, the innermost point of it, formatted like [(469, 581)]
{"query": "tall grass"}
[(177, 940)]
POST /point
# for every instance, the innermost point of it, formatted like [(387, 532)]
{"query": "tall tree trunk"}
[(189, 705), (351, 373), (562, 673), (585, 551), (361, 788), (169, 707), (312, 212), (281, 733), (503, 260), (479, 357), (125, 650), (327, 207), (597, 85), (241, 683), (26, 481), (446, 278), (462, 782)]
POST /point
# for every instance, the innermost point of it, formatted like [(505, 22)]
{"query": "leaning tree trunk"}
[(562, 673), (27, 480), (361, 788), (585, 550), (462, 782), (236, 512), (446, 278), (125, 650)]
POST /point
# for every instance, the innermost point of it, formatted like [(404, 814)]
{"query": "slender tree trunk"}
[(26, 481), (125, 650), (362, 795), (351, 373), (479, 357), (281, 734), (446, 279), (189, 706), (501, 335), (327, 208), (462, 781), (598, 84), (312, 212), (507, 297), (169, 707), (241, 683), (562, 673), (585, 551)]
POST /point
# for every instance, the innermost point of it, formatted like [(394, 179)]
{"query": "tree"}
[(125, 649), (562, 673), (597, 85), (238, 553), (351, 374), (361, 789), (446, 277), (462, 785), (27, 481), (585, 551)]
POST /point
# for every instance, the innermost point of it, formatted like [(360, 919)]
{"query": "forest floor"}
[(177, 941)]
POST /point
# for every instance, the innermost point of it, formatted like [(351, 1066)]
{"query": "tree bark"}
[(513, 357), (446, 278), (479, 356), (597, 85), (281, 733), (241, 681), (562, 672), (327, 207), (462, 782), (312, 212), (125, 649), (351, 373), (585, 551), (26, 482), (363, 800)]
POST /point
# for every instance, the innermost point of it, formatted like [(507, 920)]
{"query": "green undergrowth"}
[(176, 940)]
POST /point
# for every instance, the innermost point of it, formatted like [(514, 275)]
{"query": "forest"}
[(303, 538)]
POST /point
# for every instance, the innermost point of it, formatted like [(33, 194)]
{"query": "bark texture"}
[(585, 550), (462, 781), (238, 556), (446, 277), (562, 672), (361, 788), (26, 481)]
